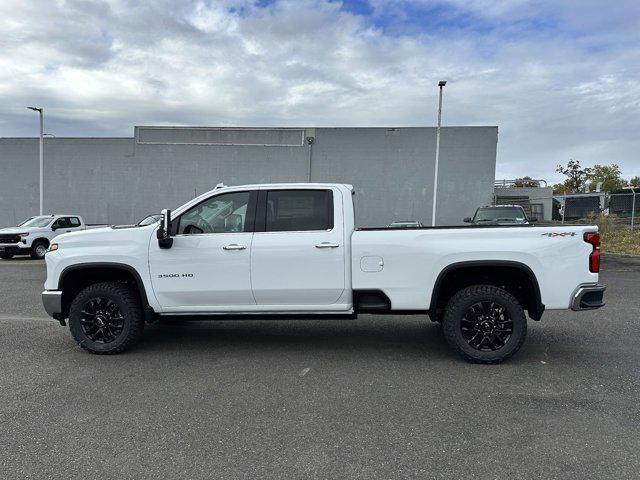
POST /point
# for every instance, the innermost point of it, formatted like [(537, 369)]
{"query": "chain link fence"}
[(611, 211)]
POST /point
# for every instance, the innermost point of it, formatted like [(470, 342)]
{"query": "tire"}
[(105, 310), (38, 249), (6, 257), (480, 332)]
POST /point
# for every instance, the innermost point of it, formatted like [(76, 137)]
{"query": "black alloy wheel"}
[(486, 326), (101, 320), (107, 318)]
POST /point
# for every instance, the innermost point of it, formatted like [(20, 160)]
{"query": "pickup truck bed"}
[(292, 250)]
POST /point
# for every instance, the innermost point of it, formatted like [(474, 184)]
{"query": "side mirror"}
[(54, 227), (467, 220), (164, 231)]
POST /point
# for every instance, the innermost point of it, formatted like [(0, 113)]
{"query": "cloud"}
[(560, 79)]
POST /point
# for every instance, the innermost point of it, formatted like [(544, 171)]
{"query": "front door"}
[(208, 266), (298, 259)]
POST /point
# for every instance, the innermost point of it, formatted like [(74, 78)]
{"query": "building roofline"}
[(209, 127)]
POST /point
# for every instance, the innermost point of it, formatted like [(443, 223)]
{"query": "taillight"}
[(594, 258)]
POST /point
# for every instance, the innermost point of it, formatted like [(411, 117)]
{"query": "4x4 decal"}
[(559, 234)]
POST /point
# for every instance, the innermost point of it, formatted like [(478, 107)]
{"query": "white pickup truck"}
[(33, 236), (291, 251)]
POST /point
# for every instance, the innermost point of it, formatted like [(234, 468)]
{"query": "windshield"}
[(25, 221), (506, 214), (148, 220), (37, 222)]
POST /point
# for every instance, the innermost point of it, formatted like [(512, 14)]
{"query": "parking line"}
[(21, 318)]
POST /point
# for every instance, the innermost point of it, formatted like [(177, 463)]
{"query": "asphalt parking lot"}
[(379, 397)]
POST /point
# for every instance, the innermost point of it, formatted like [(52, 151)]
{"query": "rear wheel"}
[(106, 318), (484, 324), (38, 249), (4, 256)]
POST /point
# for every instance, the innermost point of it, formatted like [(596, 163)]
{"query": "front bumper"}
[(52, 301), (14, 249), (588, 296)]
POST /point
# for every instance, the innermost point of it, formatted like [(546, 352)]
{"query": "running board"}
[(258, 316)]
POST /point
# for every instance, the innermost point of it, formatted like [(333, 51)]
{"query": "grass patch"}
[(626, 241), (615, 235)]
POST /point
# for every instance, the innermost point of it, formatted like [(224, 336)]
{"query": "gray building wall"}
[(120, 180)]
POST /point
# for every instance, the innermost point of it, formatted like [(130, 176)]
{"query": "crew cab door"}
[(66, 224), (208, 266), (298, 251)]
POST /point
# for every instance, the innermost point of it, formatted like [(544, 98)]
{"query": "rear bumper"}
[(588, 296), (52, 301)]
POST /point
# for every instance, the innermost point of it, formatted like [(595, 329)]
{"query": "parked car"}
[(292, 251), (33, 236), (150, 219), (406, 224), (500, 215)]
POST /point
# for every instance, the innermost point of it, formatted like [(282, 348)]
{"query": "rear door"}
[(298, 251), (75, 224)]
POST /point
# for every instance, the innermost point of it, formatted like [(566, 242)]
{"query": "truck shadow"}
[(372, 336), (406, 337)]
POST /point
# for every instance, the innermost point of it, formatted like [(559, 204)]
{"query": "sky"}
[(560, 78)]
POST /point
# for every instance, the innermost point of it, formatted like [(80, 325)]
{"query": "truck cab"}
[(226, 249)]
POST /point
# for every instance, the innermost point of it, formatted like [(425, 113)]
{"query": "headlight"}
[(53, 247), (23, 235)]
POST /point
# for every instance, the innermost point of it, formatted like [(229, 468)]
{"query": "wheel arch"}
[(46, 241), (448, 278), (74, 278)]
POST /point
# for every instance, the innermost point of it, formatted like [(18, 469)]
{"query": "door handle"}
[(327, 245), (234, 246)]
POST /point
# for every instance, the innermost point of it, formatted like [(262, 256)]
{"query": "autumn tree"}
[(562, 188), (526, 182), (578, 176)]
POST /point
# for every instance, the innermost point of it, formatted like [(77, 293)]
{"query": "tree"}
[(608, 175), (635, 182), (578, 175), (526, 182), (562, 188)]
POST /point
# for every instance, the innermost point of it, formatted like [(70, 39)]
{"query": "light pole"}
[(441, 84), (41, 112)]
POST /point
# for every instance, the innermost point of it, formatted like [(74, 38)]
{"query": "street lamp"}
[(441, 84), (41, 112)]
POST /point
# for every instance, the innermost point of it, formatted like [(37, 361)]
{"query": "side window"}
[(62, 222), (224, 213), (74, 221), (299, 210)]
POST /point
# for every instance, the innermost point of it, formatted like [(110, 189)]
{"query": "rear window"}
[(299, 210), (75, 221)]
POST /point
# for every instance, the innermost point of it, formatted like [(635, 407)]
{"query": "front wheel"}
[(106, 318), (484, 324), (38, 249)]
